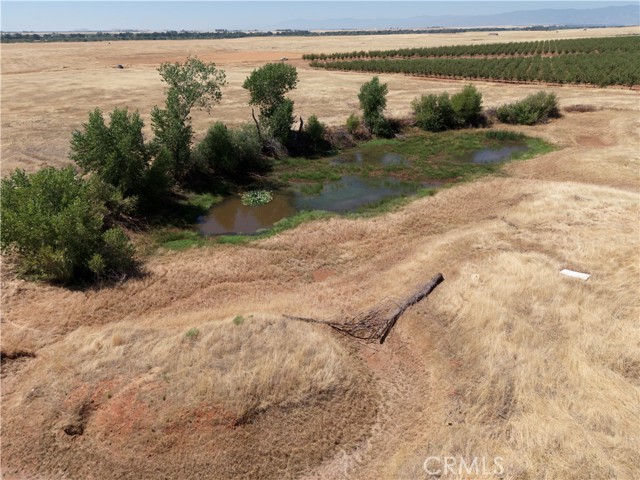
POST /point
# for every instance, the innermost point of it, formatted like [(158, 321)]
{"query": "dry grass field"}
[(506, 358)]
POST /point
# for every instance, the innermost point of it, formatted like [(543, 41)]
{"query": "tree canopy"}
[(192, 84), (268, 84), (195, 84), (373, 101)]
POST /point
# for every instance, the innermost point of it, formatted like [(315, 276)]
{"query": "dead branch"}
[(375, 324), (412, 300), (257, 124)]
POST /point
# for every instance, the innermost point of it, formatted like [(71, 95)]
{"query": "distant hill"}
[(607, 16)]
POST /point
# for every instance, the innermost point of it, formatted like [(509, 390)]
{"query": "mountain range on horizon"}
[(626, 15)]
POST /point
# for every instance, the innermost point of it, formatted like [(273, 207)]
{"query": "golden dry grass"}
[(506, 358), (223, 395)]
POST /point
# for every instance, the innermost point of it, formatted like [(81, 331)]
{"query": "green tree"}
[(267, 87), (315, 129), (192, 84), (467, 106), (54, 225), (115, 153), (373, 101)]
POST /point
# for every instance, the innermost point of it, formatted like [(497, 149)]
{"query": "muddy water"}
[(231, 216), (345, 195)]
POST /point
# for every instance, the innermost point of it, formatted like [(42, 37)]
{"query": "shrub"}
[(434, 113), (373, 101), (116, 153), (533, 109), (216, 150), (192, 333), (353, 123), (382, 127), (315, 130), (247, 149), (230, 152), (467, 106), (55, 226)]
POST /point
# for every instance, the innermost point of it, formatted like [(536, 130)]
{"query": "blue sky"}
[(38, 15)]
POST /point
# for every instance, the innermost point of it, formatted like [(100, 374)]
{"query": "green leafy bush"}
[(434, 113), (247, 149), (216, 150), (280, 120), (353, 123), (373, 101), (382, 127), (535, 108), (54, 224), (115, 153), (467, 106), (315, 130), (231, 152)]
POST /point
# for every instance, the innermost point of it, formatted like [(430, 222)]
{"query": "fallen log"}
[(412, 300), (375, 324)]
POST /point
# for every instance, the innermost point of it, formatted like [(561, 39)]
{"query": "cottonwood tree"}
[(373, 101), (192, 84), (267, 87)]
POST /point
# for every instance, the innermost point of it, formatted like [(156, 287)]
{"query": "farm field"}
[(602, 62), (191, 372)]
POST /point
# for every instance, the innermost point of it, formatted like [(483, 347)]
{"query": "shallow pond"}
[(370, 158), (494, 155), (347, 194)]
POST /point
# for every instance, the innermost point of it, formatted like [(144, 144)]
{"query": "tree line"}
[(28, 37)]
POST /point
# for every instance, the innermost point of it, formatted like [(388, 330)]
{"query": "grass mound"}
[(221, 399)]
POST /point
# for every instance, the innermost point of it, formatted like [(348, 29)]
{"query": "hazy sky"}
[(27, 15)]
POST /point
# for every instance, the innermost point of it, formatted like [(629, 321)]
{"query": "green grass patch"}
[(390, 204), (504, 135), (179, 240), (202, 201), (256, 197)]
